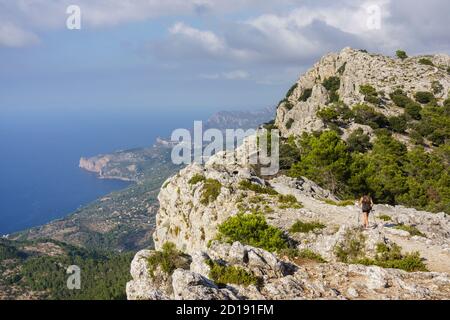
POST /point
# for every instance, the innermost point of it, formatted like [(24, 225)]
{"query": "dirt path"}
[(437, 259)]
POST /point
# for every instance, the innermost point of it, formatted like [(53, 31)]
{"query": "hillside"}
[(37, 270), (356, 123)]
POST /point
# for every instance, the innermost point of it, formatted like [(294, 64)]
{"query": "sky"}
[(226, 54)]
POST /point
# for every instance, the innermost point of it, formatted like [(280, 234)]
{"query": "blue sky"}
[(226, 54)]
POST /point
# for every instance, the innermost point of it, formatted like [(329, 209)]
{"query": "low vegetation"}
[(248, 185), (211, 190), (168, 260), (196, 179), (370, 94), (305, 227), (401, 54), (288, 202), (385, 217), (253, 230), (352, 250), (413, 231), (305, 254), (426, 62), (332, 85), (223, 275), (305, 95), (343, 203), (390, 256)]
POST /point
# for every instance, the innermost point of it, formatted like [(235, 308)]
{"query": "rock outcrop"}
[(356, 68), (190, 219)]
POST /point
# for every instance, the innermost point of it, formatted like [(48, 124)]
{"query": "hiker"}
[(366, 204)]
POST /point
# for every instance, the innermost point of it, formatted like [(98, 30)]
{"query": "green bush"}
[(414, 111), (289, 202), (411, 229), (223, 275), (306, 254), (367, 115), (168, 259), (305, 227), (437, 87), (358, 141), (385, 217), (196, 179), (352, 248), (211, 190), (289, 123), (401, 54), (253, 230), (398, 124), (424, 97), (370, 94), (343, 203), (426, 62), (248, 185), (305, 95), (289, 154), (291, 90), (390, 256), (400, 98), (332, 85)]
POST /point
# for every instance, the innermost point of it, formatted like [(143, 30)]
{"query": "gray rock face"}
[(356, 68)]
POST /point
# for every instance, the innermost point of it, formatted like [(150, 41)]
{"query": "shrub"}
[(343, 203), (351, 248), (305, 95), (288, 201), (370, 94), (253, 230), (305, 254), (437, 87), (401, 54), (398, 124), (390, 256), (168, 259), (328, 114), (426, 62), (305, 227), (289, 123), (210, 192), (413, 231), (248, 185), (400, 98), (358, 141), (414, 111), (424, 97), (223, 275), (385, 217), (366, 115), (332, 85), (196, 179), (291, 90)]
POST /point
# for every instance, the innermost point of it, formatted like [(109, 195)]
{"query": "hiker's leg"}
[(366, 219)]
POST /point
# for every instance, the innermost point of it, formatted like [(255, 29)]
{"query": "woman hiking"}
[(366, 204)]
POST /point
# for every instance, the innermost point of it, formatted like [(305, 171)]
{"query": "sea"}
[(40, 180)]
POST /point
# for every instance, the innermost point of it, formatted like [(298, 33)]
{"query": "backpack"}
[(366, 204)]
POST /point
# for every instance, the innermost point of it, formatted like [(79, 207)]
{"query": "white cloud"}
[(206, 39), (13, 36), (231, 75)]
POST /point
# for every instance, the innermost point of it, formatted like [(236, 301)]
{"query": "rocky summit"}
[(223, 231)]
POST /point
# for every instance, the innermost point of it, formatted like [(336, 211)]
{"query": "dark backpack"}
[(366, 204)]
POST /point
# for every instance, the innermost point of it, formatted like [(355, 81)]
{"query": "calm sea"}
[(39, 176)]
